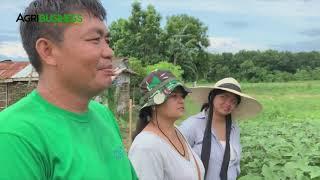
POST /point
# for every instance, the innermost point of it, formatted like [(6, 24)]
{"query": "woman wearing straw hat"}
[(213, 134), (159, 151)]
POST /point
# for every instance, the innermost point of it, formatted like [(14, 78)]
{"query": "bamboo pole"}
[(130, 122)]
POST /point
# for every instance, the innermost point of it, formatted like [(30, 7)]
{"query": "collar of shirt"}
[(204, 114)]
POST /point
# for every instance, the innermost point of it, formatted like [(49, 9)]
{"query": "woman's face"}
[(173, 107), (224, 103)]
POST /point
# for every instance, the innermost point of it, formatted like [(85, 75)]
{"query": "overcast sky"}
[(291, 25)]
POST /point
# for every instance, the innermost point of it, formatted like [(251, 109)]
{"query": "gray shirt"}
[(153, 158), (193, 129)]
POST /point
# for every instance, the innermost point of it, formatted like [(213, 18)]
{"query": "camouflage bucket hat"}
[(157, 86)]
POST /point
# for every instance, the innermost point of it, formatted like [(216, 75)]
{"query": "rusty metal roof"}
[(26, 72), (23, 71), (123, 63), (9, 68)]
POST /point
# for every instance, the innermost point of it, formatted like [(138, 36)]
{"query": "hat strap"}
[(230, 86)]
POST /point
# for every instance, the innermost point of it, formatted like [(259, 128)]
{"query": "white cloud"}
[(306, 45), (229, 44), (282, 8), (13, 50)]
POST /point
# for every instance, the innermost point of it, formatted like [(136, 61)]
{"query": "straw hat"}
[(248, 107)]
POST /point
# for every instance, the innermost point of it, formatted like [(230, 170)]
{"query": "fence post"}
[(130, 122)]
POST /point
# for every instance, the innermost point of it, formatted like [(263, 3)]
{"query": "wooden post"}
[(7, 96), (30, 76), (130, 122)]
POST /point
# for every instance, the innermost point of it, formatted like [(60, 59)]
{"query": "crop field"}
[(283, 142)]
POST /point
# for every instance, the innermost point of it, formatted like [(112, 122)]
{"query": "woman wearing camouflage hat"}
[(159, 151), (213, 134)]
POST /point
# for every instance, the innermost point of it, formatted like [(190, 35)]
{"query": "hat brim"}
[(187, 91), (249, 107)]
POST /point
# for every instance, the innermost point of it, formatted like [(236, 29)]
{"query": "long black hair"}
[(206, 143), (144, 118)]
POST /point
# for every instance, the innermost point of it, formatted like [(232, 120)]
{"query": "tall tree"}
[(186, 39), (139, 36)]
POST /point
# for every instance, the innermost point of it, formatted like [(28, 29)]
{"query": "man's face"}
[(84, 57)]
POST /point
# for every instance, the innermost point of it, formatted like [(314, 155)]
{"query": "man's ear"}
[(46, 50)]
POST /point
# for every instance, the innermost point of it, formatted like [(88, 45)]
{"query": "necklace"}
[(182, 154)]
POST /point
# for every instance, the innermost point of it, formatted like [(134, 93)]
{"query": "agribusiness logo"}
[(50, 18)]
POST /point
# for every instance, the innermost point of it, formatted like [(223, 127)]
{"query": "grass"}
[(291, 100)]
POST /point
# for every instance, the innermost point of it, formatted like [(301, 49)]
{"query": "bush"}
[(307, 74), (280, 76), (315, 74), (136, 65), (164, 65), (302, 74)]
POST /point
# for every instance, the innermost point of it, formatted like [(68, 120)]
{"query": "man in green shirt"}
[(57, 132)]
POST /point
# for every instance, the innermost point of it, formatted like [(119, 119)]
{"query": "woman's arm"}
[(238, 144)]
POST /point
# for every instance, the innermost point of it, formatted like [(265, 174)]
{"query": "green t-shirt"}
[(41, 141)]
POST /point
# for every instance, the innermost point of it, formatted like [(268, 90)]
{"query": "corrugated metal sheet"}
[(10, 68), (117, 62), (122, 63), (26, 72), (22, 71)]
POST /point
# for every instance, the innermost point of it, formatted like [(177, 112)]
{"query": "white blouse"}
[(232, 151), (153, 158)]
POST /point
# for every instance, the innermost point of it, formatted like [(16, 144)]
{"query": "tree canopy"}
[(183, 42)]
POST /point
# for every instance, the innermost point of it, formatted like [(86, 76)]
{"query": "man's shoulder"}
[(23, 108), (22, 126), (102, 111), (96, 106), (21, 118)]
